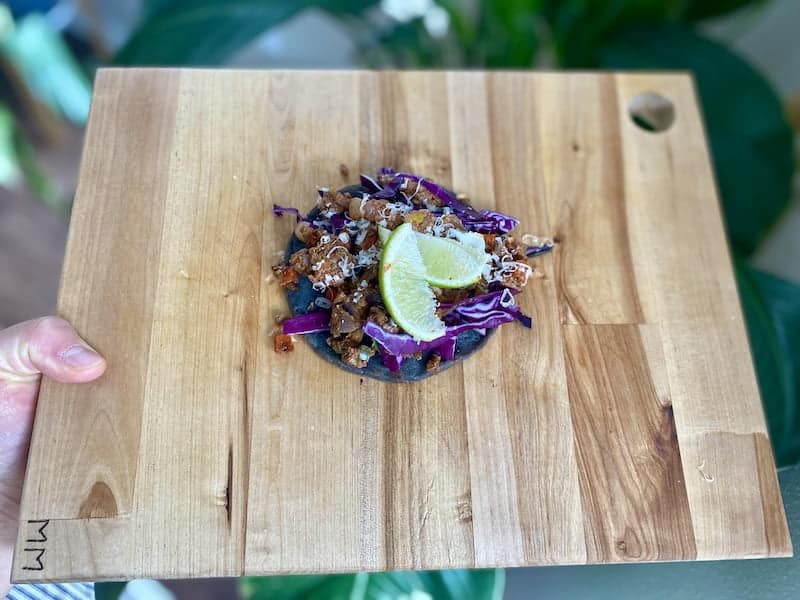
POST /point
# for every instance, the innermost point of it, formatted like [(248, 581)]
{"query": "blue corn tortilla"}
[(413, 369)]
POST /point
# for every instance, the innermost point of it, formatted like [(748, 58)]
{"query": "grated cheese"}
[(334, 249), (419, 184), (347, 266), (367, 258)]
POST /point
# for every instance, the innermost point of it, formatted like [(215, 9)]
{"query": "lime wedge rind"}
[(412, 262), (450, 264), (406, 293)]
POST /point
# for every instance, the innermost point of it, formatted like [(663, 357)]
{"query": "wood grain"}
[(582, 167), (626, 426), (428, 512), (195, 429), (306, 423), (530, 475), (120, 162), (635, 503)]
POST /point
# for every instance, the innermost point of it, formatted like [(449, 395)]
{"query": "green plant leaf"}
[(209, 32), (751, 140), (580, 27), (10, 170), (47, 67), (500, 34), (109, 590), (507, 35), (696, 11), (772, 310), (18, 160), (439, 585), (37, 178), (406, 45)]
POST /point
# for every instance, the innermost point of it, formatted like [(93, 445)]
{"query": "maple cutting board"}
[(626, 426)]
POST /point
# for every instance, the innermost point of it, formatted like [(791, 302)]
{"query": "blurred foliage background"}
[(48, 51)]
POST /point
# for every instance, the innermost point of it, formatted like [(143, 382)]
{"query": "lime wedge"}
[(451, 264), (473, 241), (408, 297)]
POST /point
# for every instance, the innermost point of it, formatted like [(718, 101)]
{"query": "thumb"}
[(50, 346)]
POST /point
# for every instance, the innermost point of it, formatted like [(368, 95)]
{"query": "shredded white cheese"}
[(334, 249), (419, 184), (394, 208), (500, 267), (362, 233), (347, 266), (367, 258)]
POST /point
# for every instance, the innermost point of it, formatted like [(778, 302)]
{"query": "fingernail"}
[(80, 356)]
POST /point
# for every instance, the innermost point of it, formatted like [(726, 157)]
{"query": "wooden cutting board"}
[(626, 426)]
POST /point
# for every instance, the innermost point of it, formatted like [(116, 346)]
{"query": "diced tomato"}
[(289, 278), (282, 343)]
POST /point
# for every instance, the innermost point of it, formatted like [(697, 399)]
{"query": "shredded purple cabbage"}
[(390, 361), (448, 349), (369, 183), (537, 250), (491, 221), (491, 319), (480, 308), (521, 316), (397, 345), (279, 211), (312, 322), (400, 344), (478, 313), (477, 299), (338, 221), (391, 189), (483, 221)]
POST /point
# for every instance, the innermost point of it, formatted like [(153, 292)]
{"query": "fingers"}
[(50, 346)]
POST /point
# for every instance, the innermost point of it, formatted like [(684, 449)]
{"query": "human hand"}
[(48, 346)]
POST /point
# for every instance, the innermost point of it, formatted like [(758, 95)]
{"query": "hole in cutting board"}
[(651, 112)]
